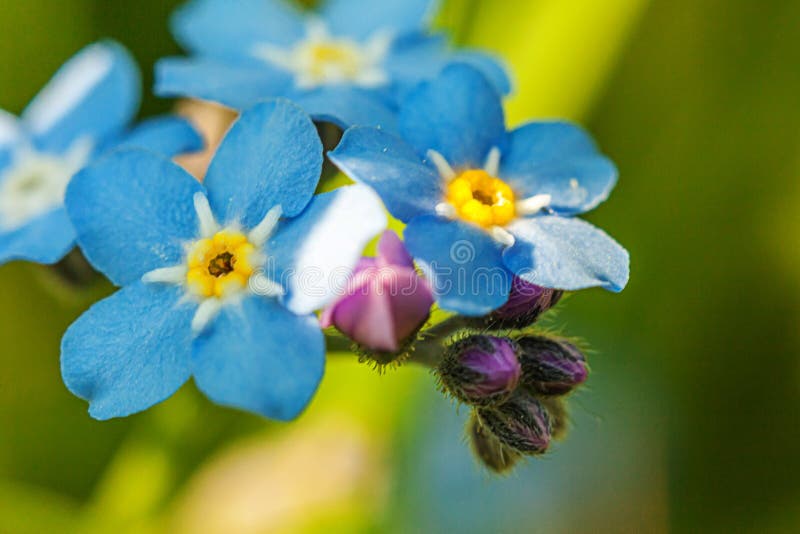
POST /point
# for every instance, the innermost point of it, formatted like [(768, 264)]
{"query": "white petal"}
[(371, 78), (378, 45), (259, 235), (492, 165), (441, 164), (533, 205), (206, 312), (261, 285), (167, 275), (503, 236), (446, 210), (317, 30), (326, 257), (277, 56), (208, 224)]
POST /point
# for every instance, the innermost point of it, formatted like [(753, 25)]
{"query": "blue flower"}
[(482, 203), (84, 111), (220, 281), (347, 63)]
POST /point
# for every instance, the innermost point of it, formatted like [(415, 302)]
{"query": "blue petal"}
[(129, 351), (271, 155), (238, 85), (417, 57), (133, 211), (567, 254), (314, 255), (94, 95), (490, 66), (44, 240), (360, 19), (221, 28), (347, 106), (463, 263), (11, 136), (169, 136), (459, 114), (559, 159), (386, 163), (262, 358), (6, 158)]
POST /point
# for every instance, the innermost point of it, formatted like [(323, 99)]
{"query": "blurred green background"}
[(691, 419)]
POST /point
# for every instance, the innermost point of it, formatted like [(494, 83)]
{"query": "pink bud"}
[(386, 301)]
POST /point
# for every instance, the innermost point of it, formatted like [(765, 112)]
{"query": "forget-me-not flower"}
[(345, 63), (482, 203), (220, 280), (82, 112)]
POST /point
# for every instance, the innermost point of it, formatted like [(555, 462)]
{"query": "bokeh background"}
[(691, 418)]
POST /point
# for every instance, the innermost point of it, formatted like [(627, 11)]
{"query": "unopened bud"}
[(385, 304), (559, 418), (488, 449), (480, 370), (522, 423), (525, 304), (550, 366)]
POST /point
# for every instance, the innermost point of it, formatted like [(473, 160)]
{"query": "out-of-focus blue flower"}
[(346, 63), (83, 111), (482, 203), (220, 280)]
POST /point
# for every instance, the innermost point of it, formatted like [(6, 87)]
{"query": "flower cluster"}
[(222, 279)]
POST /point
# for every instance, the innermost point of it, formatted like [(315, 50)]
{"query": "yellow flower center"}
[(482, 199), (333, 56), (220, 265)]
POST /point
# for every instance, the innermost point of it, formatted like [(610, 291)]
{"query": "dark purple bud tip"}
[(551, 366), (522, 423), (525, 304), (488, 449), (480, 370)]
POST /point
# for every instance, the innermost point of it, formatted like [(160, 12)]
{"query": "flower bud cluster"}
[(515, 387), (514, 383)]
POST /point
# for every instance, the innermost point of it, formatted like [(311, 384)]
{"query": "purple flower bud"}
[(525, 304), (386, 301), (488, 449), (522, 423), (480, 370), (550, 366)]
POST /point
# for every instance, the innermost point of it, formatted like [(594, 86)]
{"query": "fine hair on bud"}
[(488, 449), (551, 366), (480, 370), (522, 423), (559, 416)]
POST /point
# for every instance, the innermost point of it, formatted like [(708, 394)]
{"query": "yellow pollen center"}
[(333, 55), (482, 199), (220, 265)]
